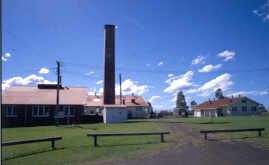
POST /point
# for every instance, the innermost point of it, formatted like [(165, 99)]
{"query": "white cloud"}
[(198, 60), (209, 68), (89, 73), (170, 75), (101, 91), (99, 82), (179, 83), (263, 11), (160, 63), (153, 98), (252, 92), (129, 87), (226, 55), (223, 81), (191, 91), (26, 81), (6, 56), (44, 70)]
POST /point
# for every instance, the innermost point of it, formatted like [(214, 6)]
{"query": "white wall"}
[(205, 113), (137, 112), (197, 113), (115, 115)]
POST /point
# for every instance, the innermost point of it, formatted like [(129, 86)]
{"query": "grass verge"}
[(76, 148), (233, 122)]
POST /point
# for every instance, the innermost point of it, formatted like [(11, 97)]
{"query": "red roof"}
[(211, 104), (68, 96), (34, 95), (97, 101)]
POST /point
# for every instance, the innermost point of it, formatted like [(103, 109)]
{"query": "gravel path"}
[(189, 148)]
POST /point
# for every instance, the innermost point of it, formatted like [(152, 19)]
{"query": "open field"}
[(76, 148), (234, 122)]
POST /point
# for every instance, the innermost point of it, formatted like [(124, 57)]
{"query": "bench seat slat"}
[(95, 135), (232, 130), (127, 134), (30, 141)]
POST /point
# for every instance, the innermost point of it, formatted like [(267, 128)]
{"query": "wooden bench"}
[(52, 139), (126, 134), (205, 132)]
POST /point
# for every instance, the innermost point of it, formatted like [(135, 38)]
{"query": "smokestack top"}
[(109, 26)]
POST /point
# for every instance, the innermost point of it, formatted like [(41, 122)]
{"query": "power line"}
[(166, 71)]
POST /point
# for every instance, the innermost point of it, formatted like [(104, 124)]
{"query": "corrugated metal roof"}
[(216, 103), (33, 95), (97, 100), (68, 96)]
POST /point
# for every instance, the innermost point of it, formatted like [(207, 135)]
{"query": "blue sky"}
[(162, 47)]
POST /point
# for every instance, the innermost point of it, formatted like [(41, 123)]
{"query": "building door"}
[(220, 112)]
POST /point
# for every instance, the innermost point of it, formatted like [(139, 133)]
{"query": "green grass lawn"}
[(233, 122), (76, 148)]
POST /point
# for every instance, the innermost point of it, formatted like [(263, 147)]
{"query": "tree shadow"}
[(33, 153)]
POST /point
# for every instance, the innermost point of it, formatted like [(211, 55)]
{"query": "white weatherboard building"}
[(136, 106), (228, 106), (115, 114)]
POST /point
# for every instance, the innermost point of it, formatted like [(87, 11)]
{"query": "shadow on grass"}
[(138, 121), (171, 122), (153, 121), (129, 144), (79, 126), (213, 122), (233, 138), (32, 153)]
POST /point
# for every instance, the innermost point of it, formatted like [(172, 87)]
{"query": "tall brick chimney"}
[(109, 75)]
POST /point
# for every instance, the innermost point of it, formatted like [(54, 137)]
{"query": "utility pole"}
[(59, 84), (120, 90)]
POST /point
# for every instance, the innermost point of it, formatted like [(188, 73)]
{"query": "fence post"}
[(52, 144), (205, 136), (162, 139), (94, 140), (260, 133)]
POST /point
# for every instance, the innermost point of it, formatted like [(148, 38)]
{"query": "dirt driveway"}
[(189, 148)]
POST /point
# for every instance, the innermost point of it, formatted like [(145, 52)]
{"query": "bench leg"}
[(53, 145), (260, 133), (162, 138), (95, 141), (205, 136)]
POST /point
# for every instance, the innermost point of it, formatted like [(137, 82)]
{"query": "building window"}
[(253, 108), (68, 111), (244, 109), (40, 111), (97, 110), (234, 109), (10, 112), (138, 109)]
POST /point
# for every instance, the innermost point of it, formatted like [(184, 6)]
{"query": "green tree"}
[(219, 94), (181, 105), (193, 103)]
